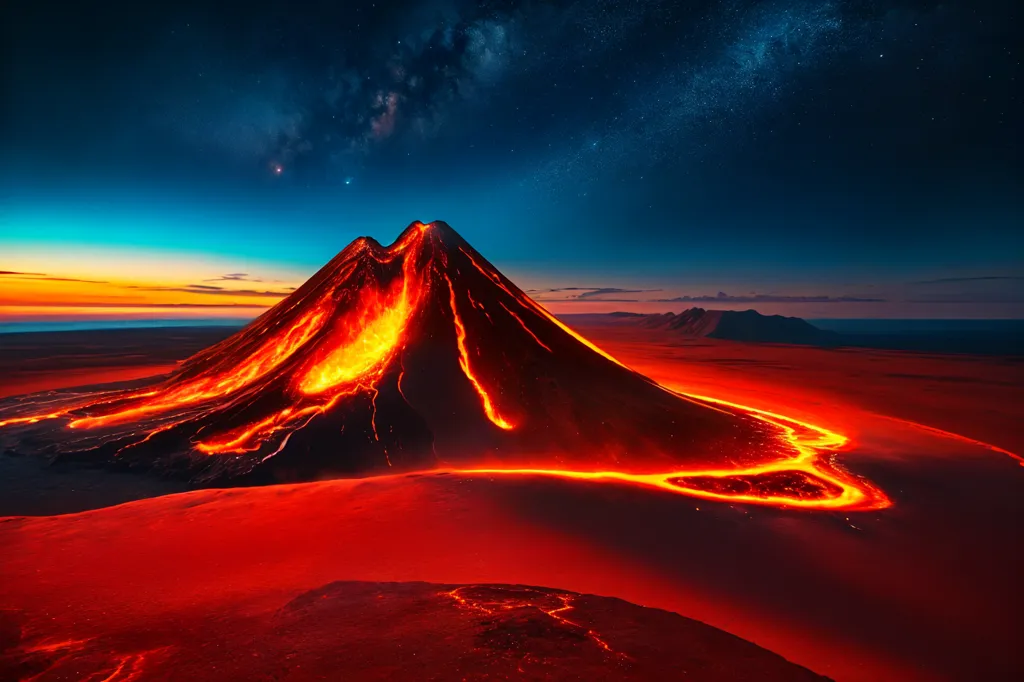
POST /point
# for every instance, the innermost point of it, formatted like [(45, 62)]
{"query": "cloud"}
[(39, 276), (151, 305), (723, 297), (959, 280), (234, 277), (995, 297), (979, 289), (603, 294), (215, 290), (594, 294)]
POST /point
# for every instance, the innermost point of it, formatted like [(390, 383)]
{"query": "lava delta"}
[(421, 356)]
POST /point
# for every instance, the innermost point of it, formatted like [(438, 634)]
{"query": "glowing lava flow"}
[(811, 484), (460, 336), (551, 604), (265, 359), (363, 348), (374, 344), (76, 656), (539, 309), (956, 436), (525, 328), (34, 419)]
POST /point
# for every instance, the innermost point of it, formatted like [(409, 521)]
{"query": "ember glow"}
[(342, 340)]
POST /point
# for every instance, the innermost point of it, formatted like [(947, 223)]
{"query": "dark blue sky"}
[(799, 148)]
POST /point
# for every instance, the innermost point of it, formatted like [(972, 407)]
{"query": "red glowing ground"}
[(925, 590), (412, 631), (725, 492)]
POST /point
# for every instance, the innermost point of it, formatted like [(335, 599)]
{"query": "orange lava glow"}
[(377, 334), (828, 488), (955, 436), (525, 328), (816, 484), (362, 348), (248, 438), (460, 335), (539, 309), (34, 419), (551, 604), (263, 360)]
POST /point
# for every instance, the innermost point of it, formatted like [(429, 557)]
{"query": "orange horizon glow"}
[(98, 313), (82, 281)]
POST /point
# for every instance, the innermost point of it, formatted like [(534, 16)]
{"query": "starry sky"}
[(822, 158)]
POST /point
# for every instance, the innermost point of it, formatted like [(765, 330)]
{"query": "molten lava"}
[(422, 356), (367, 341), (460, 339), (806, 480), (264, 359), (494, 599)]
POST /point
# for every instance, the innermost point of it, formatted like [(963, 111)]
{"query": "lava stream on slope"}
[(422, 356)]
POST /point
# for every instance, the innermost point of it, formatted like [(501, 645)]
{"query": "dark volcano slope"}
[(413, 356)]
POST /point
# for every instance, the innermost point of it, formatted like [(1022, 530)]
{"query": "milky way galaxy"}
[(729, 131)]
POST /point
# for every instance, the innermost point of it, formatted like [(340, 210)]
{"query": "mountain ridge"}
[(746, 325)]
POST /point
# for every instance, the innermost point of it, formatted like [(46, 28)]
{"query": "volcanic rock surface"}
[(409, 631)]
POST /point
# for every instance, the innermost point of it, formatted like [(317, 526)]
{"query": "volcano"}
[(421, 356)]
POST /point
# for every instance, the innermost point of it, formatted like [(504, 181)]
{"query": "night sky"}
[(834, 158)]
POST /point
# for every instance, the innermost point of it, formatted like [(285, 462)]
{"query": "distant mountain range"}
[(995, 337), (747, 325)]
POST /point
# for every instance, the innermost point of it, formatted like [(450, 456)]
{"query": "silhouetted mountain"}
[(985, 337), (747, 325)]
